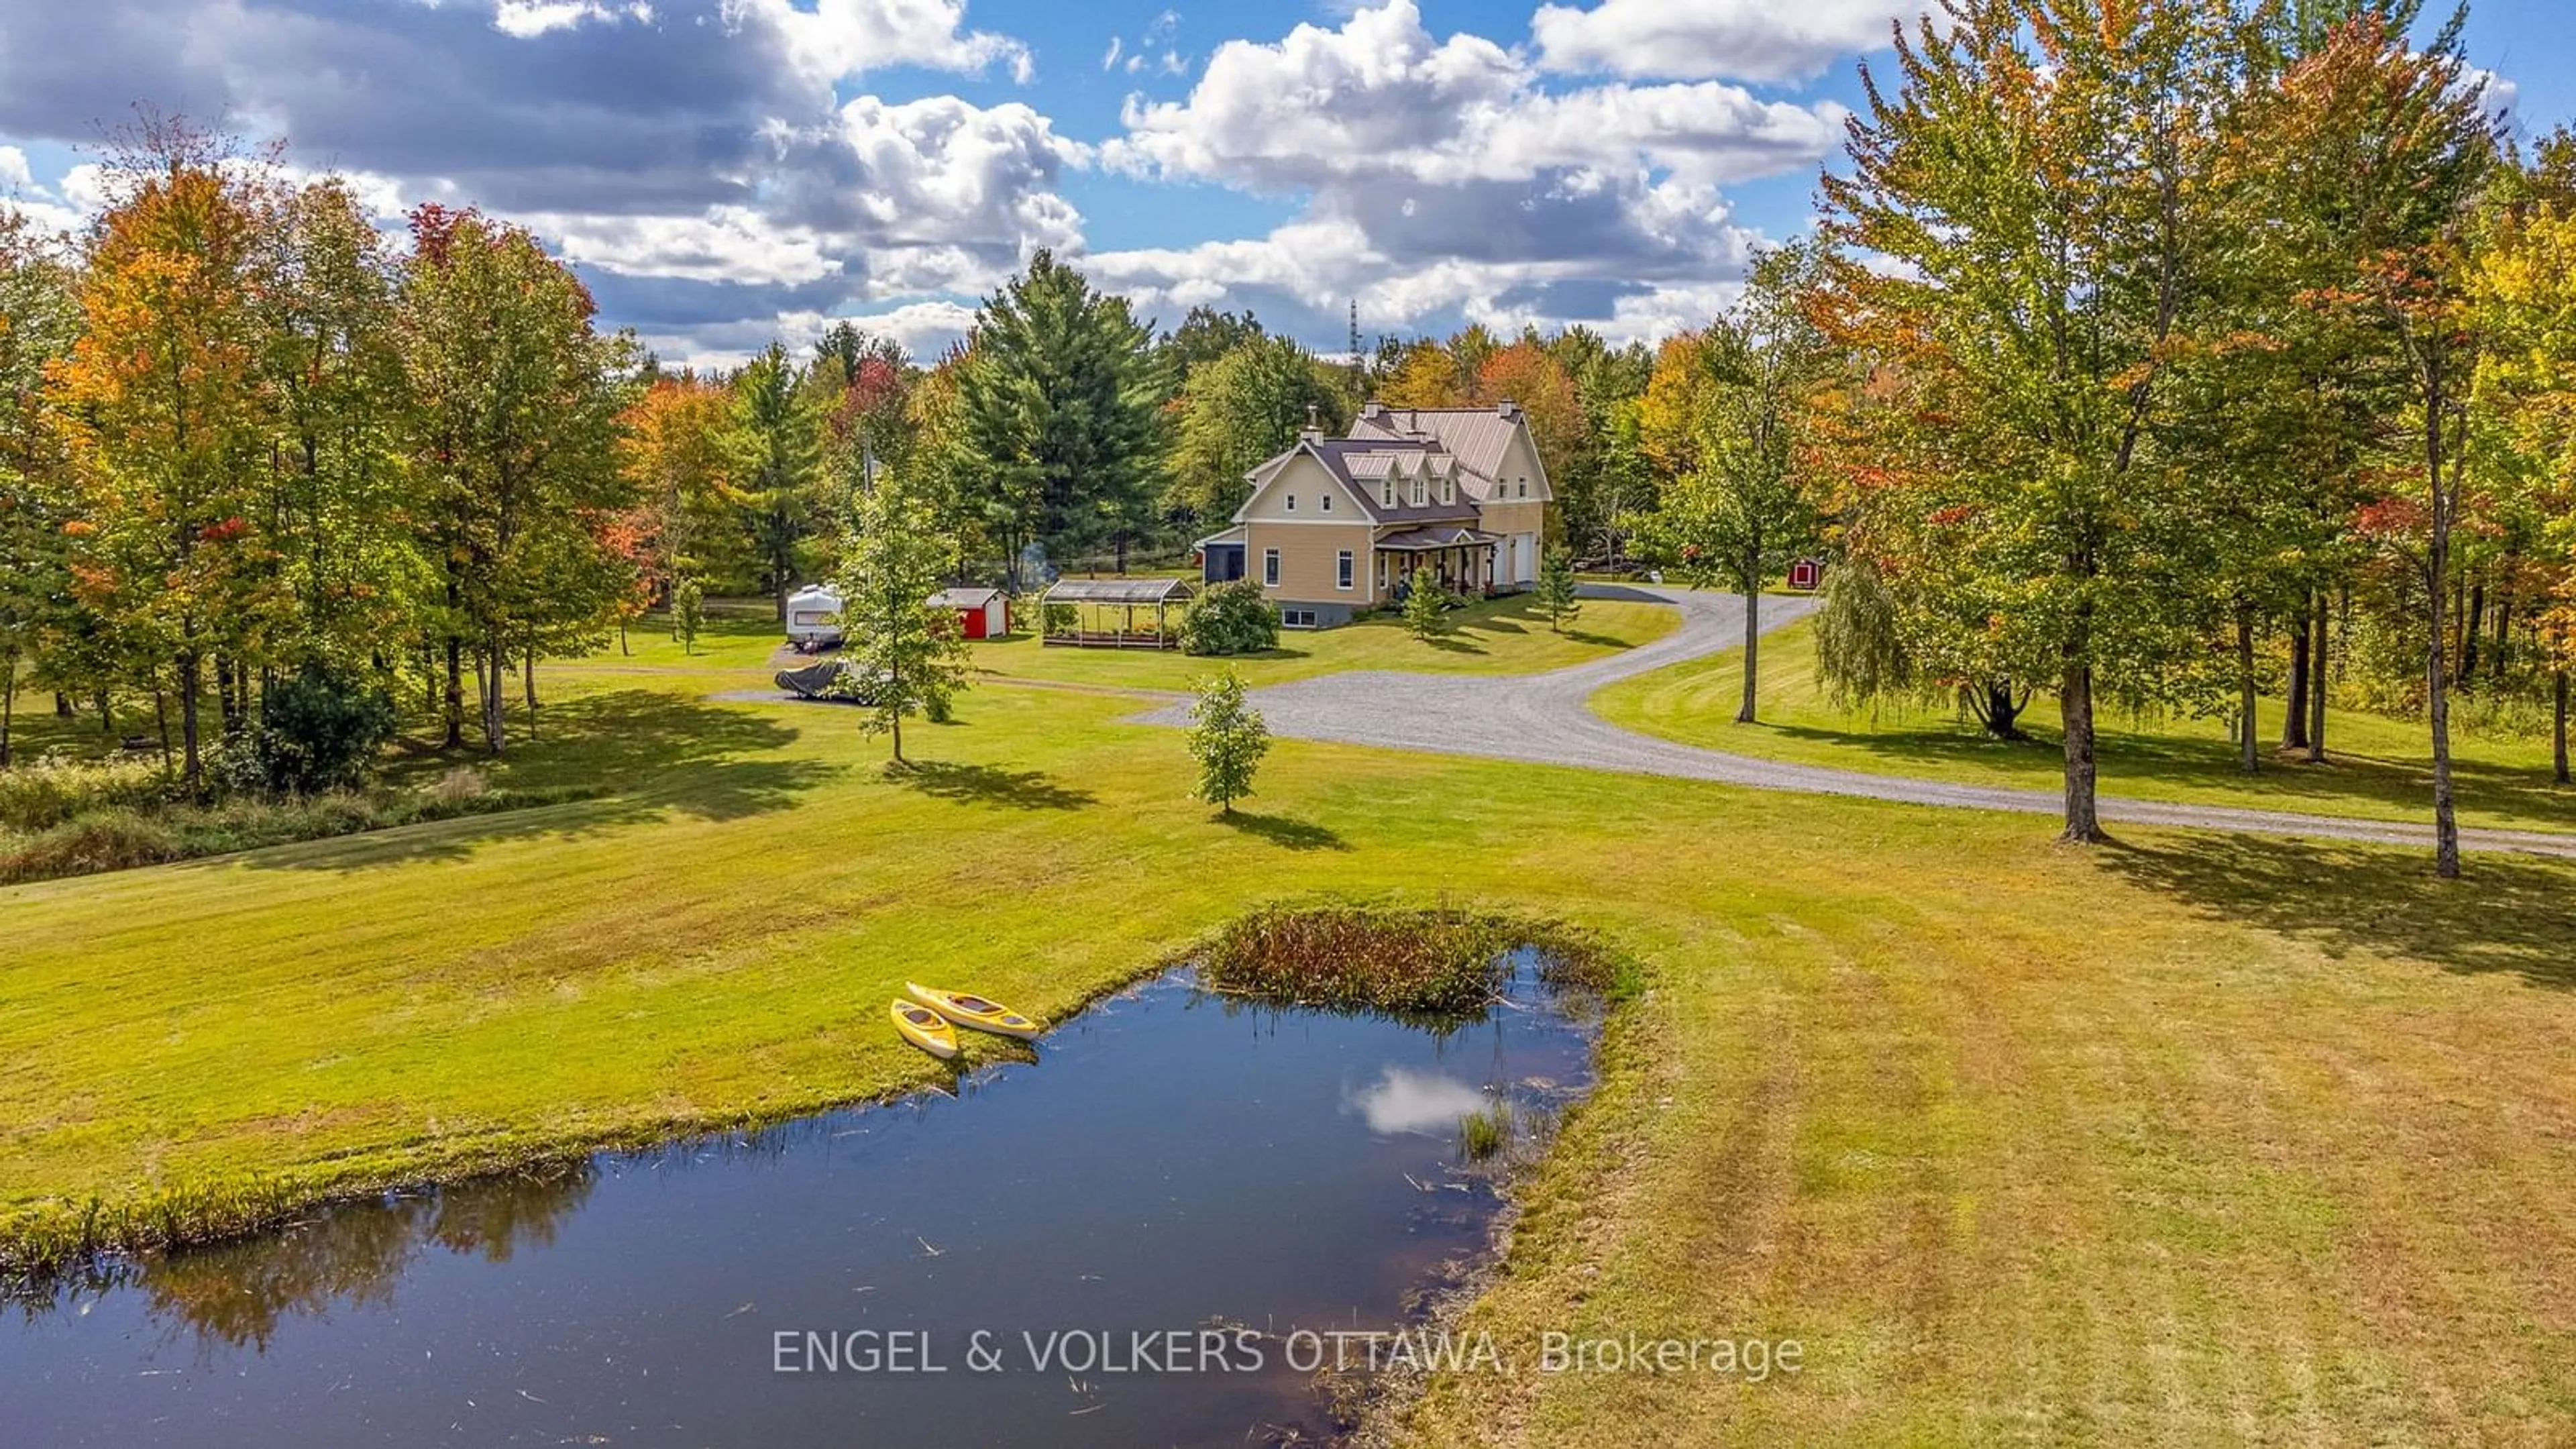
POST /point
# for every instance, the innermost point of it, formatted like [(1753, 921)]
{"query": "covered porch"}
[(1114, 613), (1462, 558)]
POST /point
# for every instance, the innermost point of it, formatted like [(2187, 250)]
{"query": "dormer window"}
[(1421, 492), (1386, 492), (1448, 490)]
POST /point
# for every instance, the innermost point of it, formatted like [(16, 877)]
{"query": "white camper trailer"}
[(814, 618)]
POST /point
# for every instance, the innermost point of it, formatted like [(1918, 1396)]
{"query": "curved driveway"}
[(1544, 719)]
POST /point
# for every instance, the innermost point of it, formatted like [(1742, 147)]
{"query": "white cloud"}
[(1381, 97), (528, 19), (1759, 40), (925, 329), (13, 168), (838, 39), (1116, 45)]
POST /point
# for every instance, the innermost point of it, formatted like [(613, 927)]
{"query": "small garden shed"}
[(981, 613), (1115, 613)]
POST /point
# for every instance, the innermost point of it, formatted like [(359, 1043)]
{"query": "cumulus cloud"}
[(1757, 40), (842, 38), (13, 168), (1439, 179), (528, 19)]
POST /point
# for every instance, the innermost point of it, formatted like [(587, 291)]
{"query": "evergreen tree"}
[(1060, 416), (780, 443), (1557, 593), (1426, 606)]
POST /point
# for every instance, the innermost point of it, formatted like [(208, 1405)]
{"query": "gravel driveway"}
[(1543, 719)]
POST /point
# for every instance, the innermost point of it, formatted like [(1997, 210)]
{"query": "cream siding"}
[(1309, 555)]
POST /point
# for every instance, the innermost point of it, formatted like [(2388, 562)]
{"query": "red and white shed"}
[(981, 613)]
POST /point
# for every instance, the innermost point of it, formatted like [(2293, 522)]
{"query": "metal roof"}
[(1436, 537), (1119, 591), (963, 598)]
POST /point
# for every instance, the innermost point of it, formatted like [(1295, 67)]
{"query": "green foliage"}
[(780, 438), (1426, 606), (321, 729), (1740, 513), (1060, 415), (1395, 959), (1241, 409), (912, 655), (688, 613), (1230, 618), (1557, 594), (1860, 647), (1228, 739)]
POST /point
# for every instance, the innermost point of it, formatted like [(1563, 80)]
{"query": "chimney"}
[(1507, 410), (1314, 431), (1373, 410)]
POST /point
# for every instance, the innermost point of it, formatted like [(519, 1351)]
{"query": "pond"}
[(1147, 1228)]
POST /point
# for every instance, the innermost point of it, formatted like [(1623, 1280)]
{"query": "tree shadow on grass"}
[(2513, 797), (1597, 641), (1283, 832), (990, 785), (2509, 913), (647, 751)]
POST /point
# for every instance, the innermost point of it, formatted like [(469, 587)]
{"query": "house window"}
[(1342, 570), (1328, 503), (1297, 618), (1386, 493), (1448, 490), (1270, 567), (1524, 488), (1421, 492), (1292, 502)]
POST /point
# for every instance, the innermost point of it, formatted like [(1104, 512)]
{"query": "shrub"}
[(320, 729), (1230, 618), (112, 839), (52, 789)]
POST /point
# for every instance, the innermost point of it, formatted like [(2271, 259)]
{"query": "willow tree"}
[(2035, 193)]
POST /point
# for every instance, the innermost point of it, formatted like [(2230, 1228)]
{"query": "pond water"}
[(1171, 1160)]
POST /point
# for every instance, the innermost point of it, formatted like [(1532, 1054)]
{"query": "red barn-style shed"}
[(981, 613)]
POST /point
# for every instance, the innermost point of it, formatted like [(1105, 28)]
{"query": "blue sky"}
[(727, 170)]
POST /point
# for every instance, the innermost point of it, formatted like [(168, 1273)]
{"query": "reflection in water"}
[(637, 1298), (1404, 1100), (236, 1294)]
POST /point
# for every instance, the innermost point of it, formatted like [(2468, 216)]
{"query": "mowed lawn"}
[(1490, 636), (2380, 768), (2195, 1139)]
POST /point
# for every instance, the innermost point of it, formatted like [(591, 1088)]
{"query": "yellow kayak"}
[(924, 1028), (976, 1012)]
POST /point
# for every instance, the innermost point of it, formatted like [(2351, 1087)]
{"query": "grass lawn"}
[(2189, 1140), (2380, 769), (1491, 636)]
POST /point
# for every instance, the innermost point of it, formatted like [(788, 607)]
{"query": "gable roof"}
[(1477, 437), (1360, 465), (963, 598)]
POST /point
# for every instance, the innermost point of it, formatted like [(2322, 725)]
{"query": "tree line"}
[(2171, 356)]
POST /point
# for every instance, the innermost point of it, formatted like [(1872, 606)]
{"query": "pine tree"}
[(1557, 594), (1228, 739), (1426, 606), (1060, 415)]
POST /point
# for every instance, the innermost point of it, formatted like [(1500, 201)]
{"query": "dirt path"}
[(1543, 719)]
